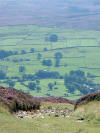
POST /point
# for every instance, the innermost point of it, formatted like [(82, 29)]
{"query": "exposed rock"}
[(81, 119), (56, 112)]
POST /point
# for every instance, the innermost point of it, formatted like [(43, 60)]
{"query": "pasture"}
[(80, 49)]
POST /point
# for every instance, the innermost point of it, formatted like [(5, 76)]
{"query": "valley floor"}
[(50, 124), (10, 124)]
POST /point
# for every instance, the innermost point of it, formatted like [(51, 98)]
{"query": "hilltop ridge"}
[(88, 98), (17, 100), (63, 13)]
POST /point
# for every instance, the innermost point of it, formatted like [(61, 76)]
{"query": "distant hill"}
[(62, 13)]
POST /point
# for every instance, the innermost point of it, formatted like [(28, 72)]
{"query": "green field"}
[(80, 49), (51, 124)]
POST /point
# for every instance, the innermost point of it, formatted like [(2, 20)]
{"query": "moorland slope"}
[(66, 13), (87, 121)]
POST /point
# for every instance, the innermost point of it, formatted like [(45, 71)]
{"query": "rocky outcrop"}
[(43, 112)]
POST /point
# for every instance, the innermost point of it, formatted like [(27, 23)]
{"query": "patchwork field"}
[(80, 50)]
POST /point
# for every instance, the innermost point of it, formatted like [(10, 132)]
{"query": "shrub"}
[(47, 62), (17, 100)]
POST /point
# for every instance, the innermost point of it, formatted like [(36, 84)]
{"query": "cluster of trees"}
[(52, 38), (51, 86), (45, 74), (47, 62), (4, 53), (2, 75), (76, 80), (34, 85), (19, 60), (22, 69), (58, 57), (41, 74), (10, 83), (29, 77), (32, 50), (39, 56)]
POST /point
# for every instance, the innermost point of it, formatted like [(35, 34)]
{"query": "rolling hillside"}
[(49, 66), (27, 46), (60, 13), (88, 106), (27, 52), (86, 118)]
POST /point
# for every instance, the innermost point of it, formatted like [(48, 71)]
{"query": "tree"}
[(15, 60), (32, 50), (37, 81), (47, 62), (71, 88), (32, 85), (45, 49), (46, 39), (21, 69), (11, 84), (58, 56), (44, 74), (38, 88), (56, 88), (50, 85), (53, 38), (23, 52), (39, 56), (15, 52), (29, 77), (2, 75)]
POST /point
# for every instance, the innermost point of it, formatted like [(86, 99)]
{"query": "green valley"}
[(29, 46)]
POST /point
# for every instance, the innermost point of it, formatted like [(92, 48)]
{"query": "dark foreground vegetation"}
[(88, 98), (16, 100), (56, 113)]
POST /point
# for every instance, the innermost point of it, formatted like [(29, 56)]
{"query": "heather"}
[(56, 100), (88, 98), (16, 100)]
